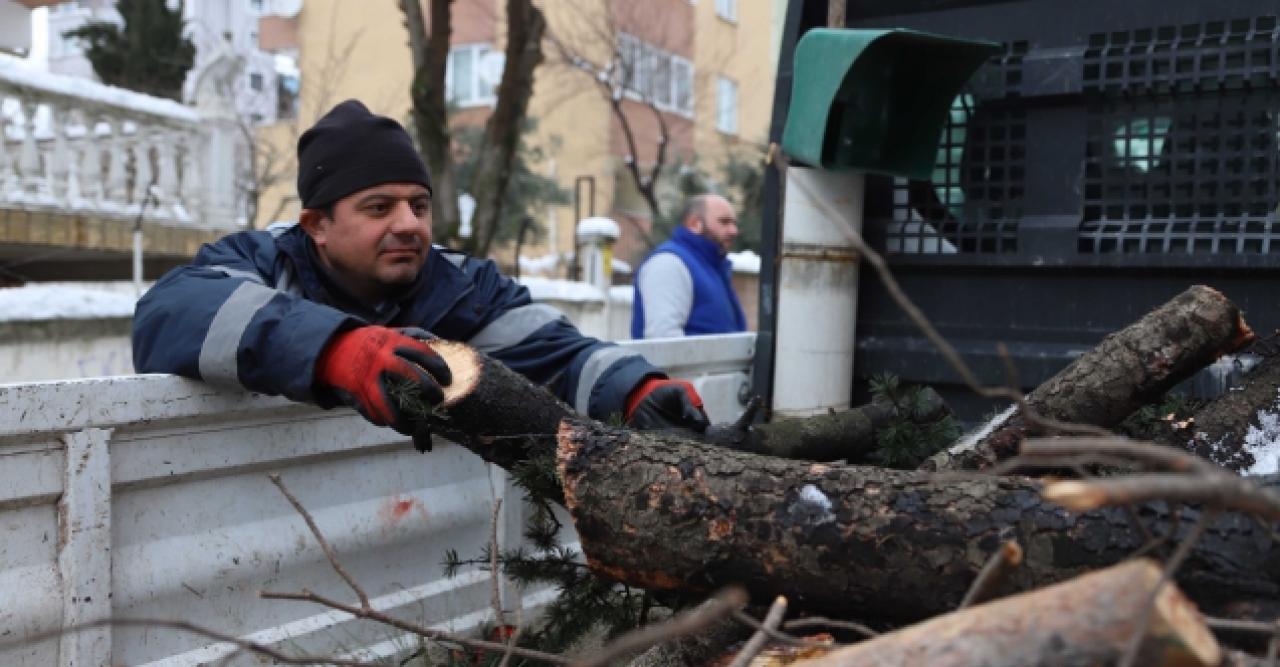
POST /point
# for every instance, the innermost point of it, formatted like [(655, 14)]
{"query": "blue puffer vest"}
[(715, 305)]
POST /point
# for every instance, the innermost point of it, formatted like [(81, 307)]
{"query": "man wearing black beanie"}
[(331, 310)]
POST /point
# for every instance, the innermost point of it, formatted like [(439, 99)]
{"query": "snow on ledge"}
[(14, 73), (62, 301), (549, 289), (745, 261), (598, 226)]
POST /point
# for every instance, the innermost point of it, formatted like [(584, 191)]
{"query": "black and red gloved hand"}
[(359, 366), (659, 404)]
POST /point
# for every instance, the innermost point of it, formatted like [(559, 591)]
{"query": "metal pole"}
[(137, 260)]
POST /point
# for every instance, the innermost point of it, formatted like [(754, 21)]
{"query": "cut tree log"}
[(1086, 621), (663, 513), (1219, 430), (493, 410), (849, 435), (1127, 370)]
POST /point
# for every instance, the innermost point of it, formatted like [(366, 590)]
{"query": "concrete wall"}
[(38, 350)]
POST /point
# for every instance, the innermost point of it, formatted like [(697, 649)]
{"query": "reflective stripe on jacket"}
[(255, 309)]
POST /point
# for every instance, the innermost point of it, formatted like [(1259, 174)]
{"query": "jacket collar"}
[(704, 248)]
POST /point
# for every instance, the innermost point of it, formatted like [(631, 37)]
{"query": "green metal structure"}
[(876, 100)]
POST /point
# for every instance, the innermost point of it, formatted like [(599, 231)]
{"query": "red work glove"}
[(358, 365), (659, 403)]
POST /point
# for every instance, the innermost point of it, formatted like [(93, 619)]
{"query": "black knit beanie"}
[(350, 149)]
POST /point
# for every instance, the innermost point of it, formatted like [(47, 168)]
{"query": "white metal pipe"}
[(817, 293), (137, 260)]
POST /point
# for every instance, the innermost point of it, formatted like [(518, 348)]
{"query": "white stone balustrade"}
[(76, 146)]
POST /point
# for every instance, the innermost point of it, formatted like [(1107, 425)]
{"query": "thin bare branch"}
[(664, 140), (1240, 625), (753, 646), (495, 577), (687, 623), (823, 622), (1170, 567), (324, 544), (421, 631), (184, 626), (1115, 446), (513, 639), (775, 634), (1218, 491), (1005, 559)]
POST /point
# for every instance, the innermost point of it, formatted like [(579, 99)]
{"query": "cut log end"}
[(1074, 495), (466, 366), (1012, 553), (1179, 627), (566, 452)]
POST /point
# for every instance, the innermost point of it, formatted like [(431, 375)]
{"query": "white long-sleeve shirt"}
[(667, 287)]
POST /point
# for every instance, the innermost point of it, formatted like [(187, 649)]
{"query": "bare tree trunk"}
[(1127, 370), (663, 513), (525, 27), (1085, 621), (430, 113)]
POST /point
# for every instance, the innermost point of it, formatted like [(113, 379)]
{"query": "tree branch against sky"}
[(612, 50)]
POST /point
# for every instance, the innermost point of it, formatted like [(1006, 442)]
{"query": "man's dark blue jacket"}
[(256, 308)]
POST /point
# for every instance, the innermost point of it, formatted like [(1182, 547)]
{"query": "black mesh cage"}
[(1182, 139)]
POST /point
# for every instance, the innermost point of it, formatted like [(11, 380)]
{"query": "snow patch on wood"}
[(968, 442), (1263, 440), (815, 504)]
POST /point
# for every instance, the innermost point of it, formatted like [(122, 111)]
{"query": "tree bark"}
[(1085, 621), (1218, 430), (1127, 370), (525, 27), (663, 513), (849, 435), (430, 55)]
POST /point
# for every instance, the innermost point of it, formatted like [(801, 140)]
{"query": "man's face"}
[(718, 224), (377, 239)]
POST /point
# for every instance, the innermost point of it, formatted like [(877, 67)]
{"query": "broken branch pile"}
[(664, 513)]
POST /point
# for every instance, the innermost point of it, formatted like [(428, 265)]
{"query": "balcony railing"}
[(74, 146)]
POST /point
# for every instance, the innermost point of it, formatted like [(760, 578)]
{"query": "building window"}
[(654, 75), (255, 81), (464, 83), (256, 6), (727, 10), (727, 106)]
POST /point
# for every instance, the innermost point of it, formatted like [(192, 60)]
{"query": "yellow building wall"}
[(746, 52)]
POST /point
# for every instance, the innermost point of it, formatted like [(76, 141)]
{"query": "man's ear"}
[(313, 222), (694, 223)]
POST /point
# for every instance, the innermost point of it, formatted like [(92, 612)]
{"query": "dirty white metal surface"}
[(148, 497), (817, 293)]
